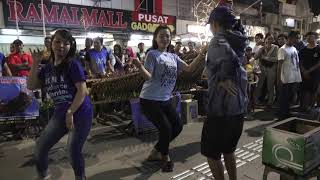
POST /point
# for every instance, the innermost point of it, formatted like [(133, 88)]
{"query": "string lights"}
[(202, 9)]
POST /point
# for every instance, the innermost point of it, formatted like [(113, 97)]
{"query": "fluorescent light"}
[(195, 28), (134, 43), (94, 35), (318, 31), (109, 36), (108, 39), (52, 32), (185, 39), (290, 22), (136, 37), (194, 39), (11, 31)]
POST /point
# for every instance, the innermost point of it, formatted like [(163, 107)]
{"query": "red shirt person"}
[(19, 62)]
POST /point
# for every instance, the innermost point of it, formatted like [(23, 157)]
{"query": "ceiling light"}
[(11, 31), (94, 35)]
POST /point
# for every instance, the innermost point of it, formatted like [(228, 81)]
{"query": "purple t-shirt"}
[(61, 86), (2, 61), (98, 61)]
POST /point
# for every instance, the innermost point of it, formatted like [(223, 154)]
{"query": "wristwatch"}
[(69, 111)]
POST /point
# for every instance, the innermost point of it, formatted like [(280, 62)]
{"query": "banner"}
[(61, 15), (16, 101)]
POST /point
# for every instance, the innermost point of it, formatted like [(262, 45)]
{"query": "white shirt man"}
[(288, 74), (290, 71)]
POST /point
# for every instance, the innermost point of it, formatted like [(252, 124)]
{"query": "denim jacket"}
[(226, 50)]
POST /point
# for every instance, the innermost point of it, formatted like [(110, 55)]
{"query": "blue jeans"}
[(54, 131)]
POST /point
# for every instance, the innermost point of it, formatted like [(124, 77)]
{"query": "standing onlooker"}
[(45, 59), (282, 39), (184, 51), (227, 91), (65, 82), (160, 71), (98, 59), (4, 69), (171, 49), (118, 54), (268, 58), (259, 42), (128, 52), (248, 56), (299, 44), (12, 49), (177, 49), (288, 73), (310, 69), (110, 58), (192, 53), (141, 55), (275, 36), (83, 53), (19, 62), (46, 53)]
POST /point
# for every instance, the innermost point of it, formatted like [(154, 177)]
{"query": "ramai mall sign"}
[(60, 15)]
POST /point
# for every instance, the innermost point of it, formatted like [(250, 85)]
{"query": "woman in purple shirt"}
[(64, 81)]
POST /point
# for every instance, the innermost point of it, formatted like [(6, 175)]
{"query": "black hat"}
[(222, 14)]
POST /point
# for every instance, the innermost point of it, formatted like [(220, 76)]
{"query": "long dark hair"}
[(119, 48), (65, 34), (155, 34)]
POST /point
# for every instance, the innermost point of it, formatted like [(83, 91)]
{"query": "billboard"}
[(62, 15)]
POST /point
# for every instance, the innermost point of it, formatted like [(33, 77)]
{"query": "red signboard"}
[(71, 16)]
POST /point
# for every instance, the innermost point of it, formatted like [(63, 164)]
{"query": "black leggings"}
[(165, 118)]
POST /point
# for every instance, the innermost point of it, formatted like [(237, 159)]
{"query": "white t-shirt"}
[(290, 72), (256, 48), (164, 68)]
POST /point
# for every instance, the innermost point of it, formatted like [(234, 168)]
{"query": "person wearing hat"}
[(228, 99), (19, 62)]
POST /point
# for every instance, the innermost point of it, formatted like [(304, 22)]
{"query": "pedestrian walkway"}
[(245, 154), (111, 154)]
